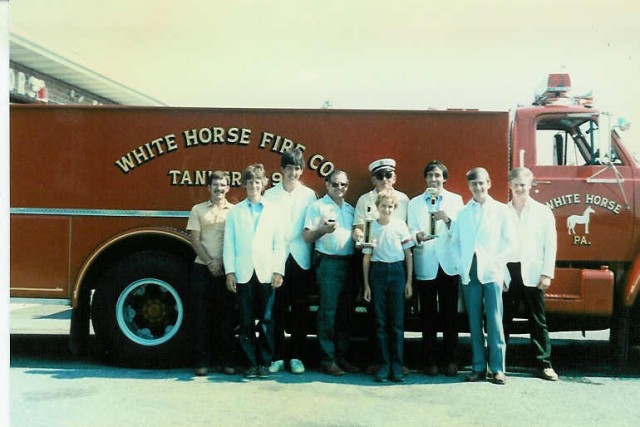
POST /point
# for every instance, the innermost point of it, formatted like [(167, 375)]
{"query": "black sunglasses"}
[(383, 175), (339, 184)]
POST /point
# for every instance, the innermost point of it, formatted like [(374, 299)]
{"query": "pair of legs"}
[(533, 298), (214, 317), (439, 306), (333, 276), (387, 282), (485, 300), (255, 300), (292, 293)]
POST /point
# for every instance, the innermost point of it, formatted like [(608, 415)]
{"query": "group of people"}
[(259, 255)]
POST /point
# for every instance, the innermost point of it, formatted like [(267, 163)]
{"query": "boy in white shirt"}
[(292, 198), (532, 268), (388, 271), (482, 239)]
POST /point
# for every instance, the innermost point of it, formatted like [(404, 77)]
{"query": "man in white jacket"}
[(254, 263), (482, 239), (532, 268), (430, 217), (292, 198)]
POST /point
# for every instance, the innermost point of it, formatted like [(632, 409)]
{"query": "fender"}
[(171, 233), (632, 287)]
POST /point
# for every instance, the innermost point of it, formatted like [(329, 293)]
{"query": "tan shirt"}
[(209, 220)]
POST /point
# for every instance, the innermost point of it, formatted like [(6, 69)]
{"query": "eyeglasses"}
[(339, 184), (383, 175)]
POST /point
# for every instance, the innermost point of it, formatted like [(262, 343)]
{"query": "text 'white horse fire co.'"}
[(579, 219)]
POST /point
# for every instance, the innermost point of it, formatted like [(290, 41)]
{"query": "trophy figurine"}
[(434, 206)]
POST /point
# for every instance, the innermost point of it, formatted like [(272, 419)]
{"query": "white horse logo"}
[(580, 219)]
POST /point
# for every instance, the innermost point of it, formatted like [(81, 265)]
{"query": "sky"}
[(401, 54)]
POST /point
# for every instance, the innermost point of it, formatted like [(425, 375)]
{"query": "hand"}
[(357, 235), (329, 227), (544, 283), (231, 282), (421, 236), (408, 290), (440, 216), (367, 293), (276, 280), (215, 267)]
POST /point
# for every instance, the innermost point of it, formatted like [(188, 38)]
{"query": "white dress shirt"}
[(536, 245), (487, 231), (427, 256), (293, 208), (339, 242)]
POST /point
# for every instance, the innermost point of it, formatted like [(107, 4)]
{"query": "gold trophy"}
[(434, 206)]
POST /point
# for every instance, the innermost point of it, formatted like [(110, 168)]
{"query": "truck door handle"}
[(536, 183)]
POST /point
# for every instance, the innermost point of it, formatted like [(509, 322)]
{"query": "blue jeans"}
[(387, 282), (334, 314), (485, 299), (255, 300)]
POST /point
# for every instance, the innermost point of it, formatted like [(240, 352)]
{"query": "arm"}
[(228, 252), (214, 264), (311, 236), (366, 263), (408, 263), (550, 249)]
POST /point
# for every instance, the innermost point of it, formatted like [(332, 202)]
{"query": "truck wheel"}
[(140, 309)]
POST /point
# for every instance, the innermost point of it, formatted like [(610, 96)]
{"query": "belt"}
[(336, 257)]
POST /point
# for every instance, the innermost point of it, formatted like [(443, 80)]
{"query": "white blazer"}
[(427, 256), (492, 241), (537, 241), (293, 209), (246, 250)]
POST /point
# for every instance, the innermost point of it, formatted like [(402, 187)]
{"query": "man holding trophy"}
[(430, 216)]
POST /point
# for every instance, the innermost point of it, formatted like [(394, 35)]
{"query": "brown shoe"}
[(451, 370), (333, 369), (499, 378), (228, 370), (548, 374), (201, 372), (475, 376), (431, 370), (348, 367), (372, 369)]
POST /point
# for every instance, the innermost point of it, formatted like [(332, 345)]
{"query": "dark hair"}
[(334, 173), (433, 164), (254, 171), (475, 173), (217, 175), (292, 157)]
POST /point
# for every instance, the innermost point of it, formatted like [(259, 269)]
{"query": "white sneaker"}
[(296, 366), (276, 366)]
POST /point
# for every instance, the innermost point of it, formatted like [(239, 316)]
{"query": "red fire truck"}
[(100, 198)]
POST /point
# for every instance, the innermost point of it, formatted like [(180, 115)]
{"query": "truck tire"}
[(140, 310)]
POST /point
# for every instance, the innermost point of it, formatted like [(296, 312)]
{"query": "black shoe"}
[(201, 372), (252, 372), (348, 367), (333, 369), (397, 378), (475, 376), (263, 372)]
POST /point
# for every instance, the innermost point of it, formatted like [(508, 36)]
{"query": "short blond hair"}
[(386, 195), (520, 173)]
